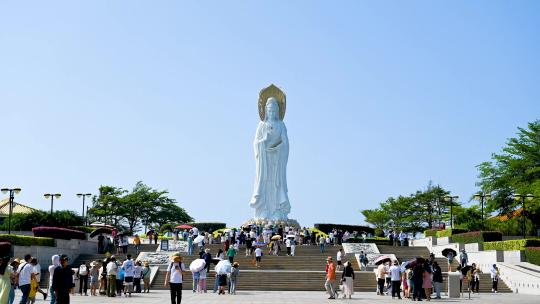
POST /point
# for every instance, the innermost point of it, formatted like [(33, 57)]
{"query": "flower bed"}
[(21, 240), (58, 233)]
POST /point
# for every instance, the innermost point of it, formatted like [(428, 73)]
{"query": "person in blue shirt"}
[(120, 281)]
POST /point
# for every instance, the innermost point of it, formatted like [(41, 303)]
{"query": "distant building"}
[(17, 209)]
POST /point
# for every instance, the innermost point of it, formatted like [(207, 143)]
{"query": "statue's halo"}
[(279, 95)]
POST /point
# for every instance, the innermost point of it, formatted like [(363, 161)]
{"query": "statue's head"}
[(272, 109)]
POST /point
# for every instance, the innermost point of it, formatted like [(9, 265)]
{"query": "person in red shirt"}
[(329, 285)]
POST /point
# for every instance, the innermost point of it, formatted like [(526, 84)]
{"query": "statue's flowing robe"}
[(270, 198)]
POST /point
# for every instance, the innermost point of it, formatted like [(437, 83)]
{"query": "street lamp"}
[(451, 199), (12, 193), (83, 197), (52, 196), (522, 198), (482, 196)]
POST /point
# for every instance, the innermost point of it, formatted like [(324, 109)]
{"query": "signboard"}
[(164, 245)]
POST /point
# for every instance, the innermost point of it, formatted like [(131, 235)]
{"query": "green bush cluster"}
[(533, 255), (22, 240), (208, 227), (431, 232), (511, 245), (477, 237)]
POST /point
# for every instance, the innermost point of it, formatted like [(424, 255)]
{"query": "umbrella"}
[(223, 267), (259, 244), (446, 251), (198, 239), (466, 269), (184, 226), (382, 259), (276, 237), (151, 231), (100, 230), (197, 265)]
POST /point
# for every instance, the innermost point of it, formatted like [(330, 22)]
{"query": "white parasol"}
[(223, 267), (197, 265)]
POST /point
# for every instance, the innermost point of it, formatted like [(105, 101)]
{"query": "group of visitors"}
[(25, 275), (346, 280)]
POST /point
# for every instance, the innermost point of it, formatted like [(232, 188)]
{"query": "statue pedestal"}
[(267, 222)]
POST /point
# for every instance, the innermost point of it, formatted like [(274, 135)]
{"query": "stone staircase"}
[(303, 272)]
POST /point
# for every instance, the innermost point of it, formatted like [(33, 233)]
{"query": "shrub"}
[(59, 233), (166, 227), (351, 228), (449, 232), (511, 245), (431, 232), (5, 249), (208, 227), (21, 240), (477, 237), (533, 255)]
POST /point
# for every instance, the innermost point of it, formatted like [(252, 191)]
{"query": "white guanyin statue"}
[(270, 198)]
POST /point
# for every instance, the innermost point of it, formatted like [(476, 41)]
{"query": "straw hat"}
[(146, 264), (176, 257)]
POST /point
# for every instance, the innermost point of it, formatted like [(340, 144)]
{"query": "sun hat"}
[(146, 264)]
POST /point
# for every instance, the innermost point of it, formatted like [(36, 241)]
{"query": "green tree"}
[(515, 170)]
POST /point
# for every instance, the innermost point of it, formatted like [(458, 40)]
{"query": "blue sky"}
[(383, 96)]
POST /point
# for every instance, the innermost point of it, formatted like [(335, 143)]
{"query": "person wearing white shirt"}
[(395, 277), (288, 245), (338, 259), (174, 279), (402, 237), (112, 270), (25, 273), (258, 256), (129, 269)]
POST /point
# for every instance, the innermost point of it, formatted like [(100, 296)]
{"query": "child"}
[(33, 290), (94, 278)]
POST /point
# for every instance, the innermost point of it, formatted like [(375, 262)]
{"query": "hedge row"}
[(450, 232), (477, 237), (208, 227), (533, 255), (351, 228), (5, 249), (431, 232), (22, 240), (511, 245), (58, 233)]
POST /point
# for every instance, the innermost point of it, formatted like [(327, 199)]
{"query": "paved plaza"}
[(267, 297)]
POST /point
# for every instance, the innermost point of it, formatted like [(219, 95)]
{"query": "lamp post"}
[(83, 197), (451, 199), (522, 198), (52, 196), (12, 193), (481, 196)]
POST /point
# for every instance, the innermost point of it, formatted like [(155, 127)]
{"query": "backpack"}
[(83, 270)]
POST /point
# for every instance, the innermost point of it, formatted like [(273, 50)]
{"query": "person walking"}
[(475, 278), (450, 257), (463, 258), (437, 279), (112, 270), (231, 253), (25, 272), (234, 278), (288, 246), (402, 238), (55, 262), (195, 276), (417, 280), (129, 273), (339, 256), (202, 281), (83, 278), (137, 277), (293, 247), (258, 257), (329, 284), (322, 242), (427, 282), (62, 281), (37, 273), (6, 274), (347, 277), (173, 278), (93, 276), (146, 273), (395, 278), (380, 275), (137, 244), (494, 271)]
